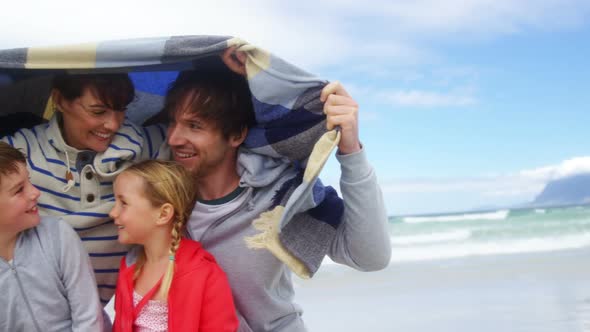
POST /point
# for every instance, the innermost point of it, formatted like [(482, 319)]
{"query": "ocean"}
[(524, 270), (520, 270), (432, 237)]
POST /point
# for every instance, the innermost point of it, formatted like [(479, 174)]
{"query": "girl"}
[(168, 283)]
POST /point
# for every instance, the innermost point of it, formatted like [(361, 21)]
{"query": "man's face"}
[(198, 144)]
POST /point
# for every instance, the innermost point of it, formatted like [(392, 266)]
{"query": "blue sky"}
[(464, 104)]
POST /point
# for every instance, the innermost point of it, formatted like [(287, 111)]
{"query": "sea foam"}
[(456, 235), (496, 215), (443, 251)]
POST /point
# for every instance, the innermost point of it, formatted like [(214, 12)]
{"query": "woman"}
[(74, 159)]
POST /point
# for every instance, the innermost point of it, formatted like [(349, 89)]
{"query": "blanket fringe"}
[(268, 238), (322, 150)]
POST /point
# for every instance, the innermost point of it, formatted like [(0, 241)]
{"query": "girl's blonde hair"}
[(166, 182)]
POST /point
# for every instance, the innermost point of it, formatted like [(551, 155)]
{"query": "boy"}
[(46, 280)]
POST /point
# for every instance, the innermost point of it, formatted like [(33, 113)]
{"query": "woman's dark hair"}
[(114, 90)]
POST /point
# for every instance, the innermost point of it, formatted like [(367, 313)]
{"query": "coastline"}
[(543, 291)]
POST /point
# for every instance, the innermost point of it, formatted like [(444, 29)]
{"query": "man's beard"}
[(200, 171)]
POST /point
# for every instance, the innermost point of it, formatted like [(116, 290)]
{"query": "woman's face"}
[(88, 123)]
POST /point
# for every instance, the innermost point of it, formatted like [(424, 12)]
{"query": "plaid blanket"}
[(299, 227)]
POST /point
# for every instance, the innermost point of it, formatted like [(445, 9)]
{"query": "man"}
[(210, 117)]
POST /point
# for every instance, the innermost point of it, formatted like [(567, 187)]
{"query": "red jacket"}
[(199, 298)]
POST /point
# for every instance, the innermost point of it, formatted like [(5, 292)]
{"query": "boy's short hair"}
[(220, 96), (10, 159)]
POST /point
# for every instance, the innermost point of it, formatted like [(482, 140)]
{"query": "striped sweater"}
[(85, 206)]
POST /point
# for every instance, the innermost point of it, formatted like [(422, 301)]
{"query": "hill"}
[(571, 190)]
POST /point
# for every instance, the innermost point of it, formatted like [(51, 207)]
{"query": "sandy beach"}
[(521, 271), (540, 292)]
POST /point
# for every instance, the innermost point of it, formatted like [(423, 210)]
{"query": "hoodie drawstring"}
[(69, 175)]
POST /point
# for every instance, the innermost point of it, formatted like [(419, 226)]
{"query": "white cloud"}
[(529, 181), (488, 186), (569, 167), (458, 97), (408, 196), (425, 98), (309, 33), (390, 86), (469, 17), (261, 22)]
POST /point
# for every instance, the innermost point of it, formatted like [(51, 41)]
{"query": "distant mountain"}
[(570, 190)]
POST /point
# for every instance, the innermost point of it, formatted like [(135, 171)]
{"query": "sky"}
[(463, 104)]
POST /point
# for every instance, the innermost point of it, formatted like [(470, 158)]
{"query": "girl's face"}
[(89, 124), (18, 201), (134, 214)]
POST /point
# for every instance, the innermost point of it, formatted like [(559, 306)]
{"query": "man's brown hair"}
[(219, 96)]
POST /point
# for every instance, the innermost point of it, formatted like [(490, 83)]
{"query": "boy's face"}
[(18, 201)]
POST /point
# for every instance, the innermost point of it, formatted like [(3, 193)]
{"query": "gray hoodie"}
[(49, 285), (261, 284)]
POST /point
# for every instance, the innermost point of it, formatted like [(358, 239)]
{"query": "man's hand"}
[(341, 110), (235, 60)]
